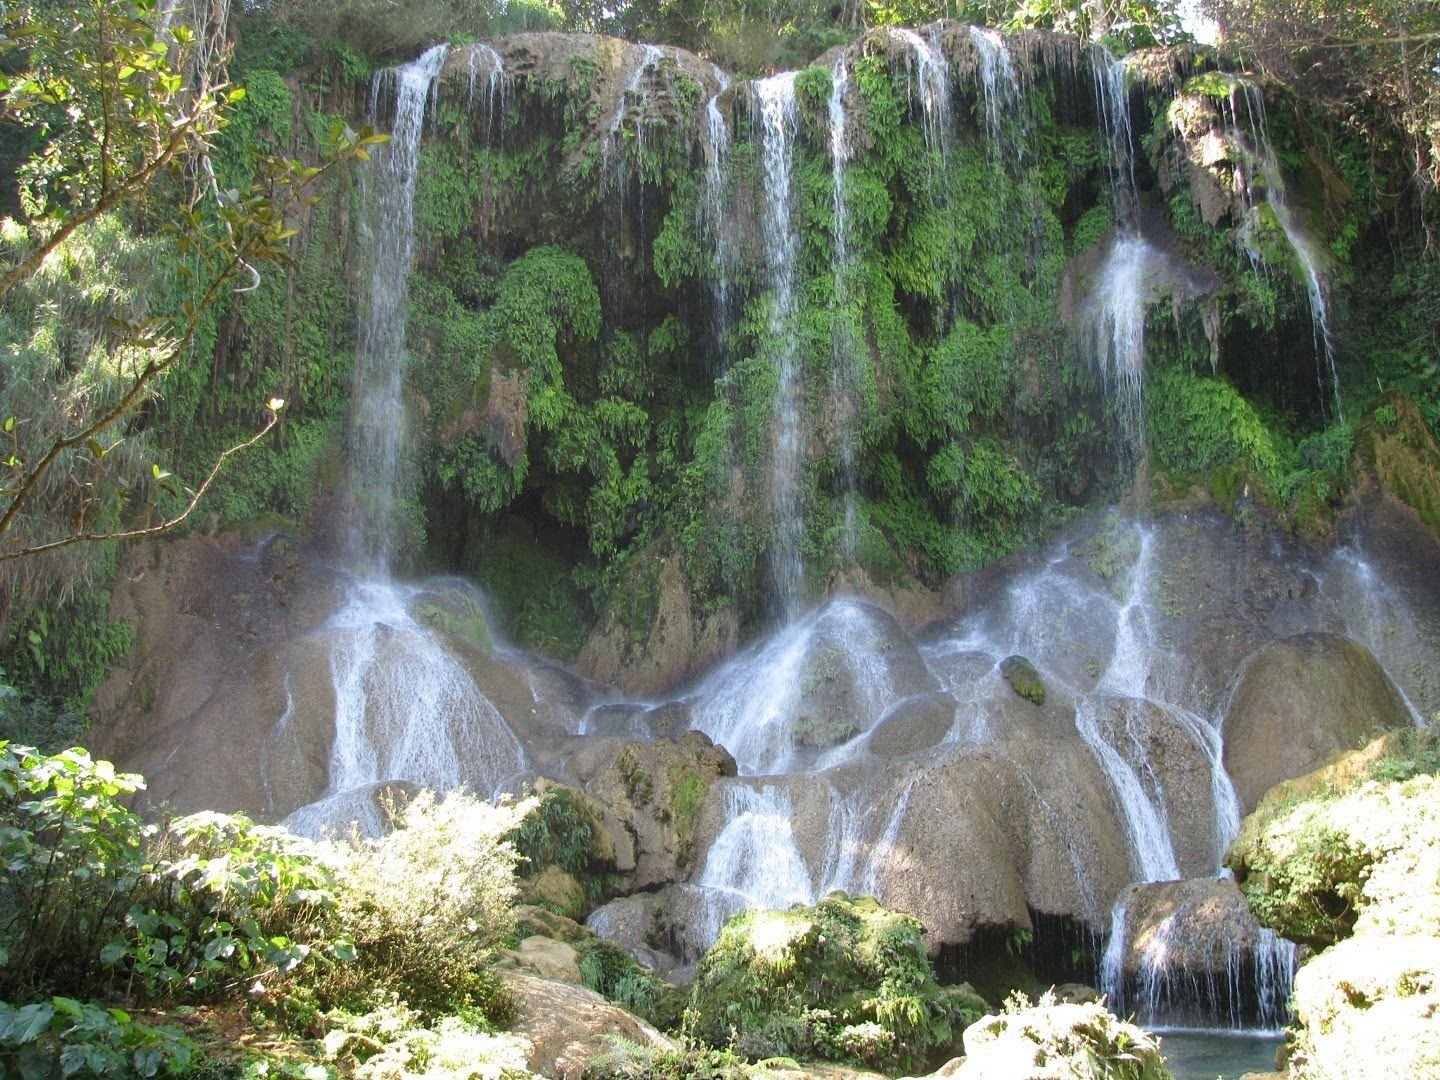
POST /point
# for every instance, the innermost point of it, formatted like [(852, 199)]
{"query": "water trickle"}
[(755, 860), (378, 428), (1309, 255), (844, 371), (646, 60), (406, 709), (1113, 325), (775, 97), (930, 84), (1248, 989), (713, 202), (495, 91), (755, 705), (999, 85), (1112, 102)]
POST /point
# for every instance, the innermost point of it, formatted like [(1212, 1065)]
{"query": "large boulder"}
[(566, 1025), (1300, 700), (990, 833), (1192, 952), (655, 793)]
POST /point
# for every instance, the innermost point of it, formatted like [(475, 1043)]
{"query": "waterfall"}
[(929, 83), (1309, 255), (776, 99), (1112, 102), (754, 862), (378, 428), (406, 710), (713, 203), (1113, 318), (844, 372), (999, 85), (1113, 325), (1246, 987)]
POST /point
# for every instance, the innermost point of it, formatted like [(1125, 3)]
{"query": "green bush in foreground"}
[(100, 908), (844, 980)]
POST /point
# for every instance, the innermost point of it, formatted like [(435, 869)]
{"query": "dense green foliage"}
[(844, 980), (100, 910)]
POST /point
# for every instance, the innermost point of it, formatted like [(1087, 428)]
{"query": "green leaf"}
[(28, 1023)]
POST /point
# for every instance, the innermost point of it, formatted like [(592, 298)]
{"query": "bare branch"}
[(149, 530)]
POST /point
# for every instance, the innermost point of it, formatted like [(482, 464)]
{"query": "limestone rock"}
[(1297, 702), (567, 1024), (913, 725), (1193, 951), (1395, 451), (549, 959), (1367, 1007), (656, 792), (672, 641)]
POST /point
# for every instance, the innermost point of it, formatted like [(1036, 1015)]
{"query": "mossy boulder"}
[(1395, 451), (1300, 700), (554, 890), (844, 980), (1024, 678), (1367, 860), (655, 792), (569, 854), (1048, 1039)]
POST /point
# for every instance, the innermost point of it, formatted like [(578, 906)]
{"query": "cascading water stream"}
[(1308, 254), (1113, 322), (775, 98), (999, 87), (712, 211), (405, 708), (844, 371), (1128, 684), (495, 92), (1113, 318), (930, 85), (378, 427)]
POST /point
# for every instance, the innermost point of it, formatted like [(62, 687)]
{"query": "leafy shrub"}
[(844, 980), (1084, 1042), (625, 1060), (561, 831), (427, 905), (96, 899), (79, 1039), (613, 973), (393, 1041)]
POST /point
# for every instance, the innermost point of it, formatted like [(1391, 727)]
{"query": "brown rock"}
[(1297, 702), (568, 1024)]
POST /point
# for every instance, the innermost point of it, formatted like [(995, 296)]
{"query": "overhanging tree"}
[(118, 103)]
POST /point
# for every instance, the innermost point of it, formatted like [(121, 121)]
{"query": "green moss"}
[(844, 980)]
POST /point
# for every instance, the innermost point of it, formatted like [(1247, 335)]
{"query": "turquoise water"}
[(1205, 1055)]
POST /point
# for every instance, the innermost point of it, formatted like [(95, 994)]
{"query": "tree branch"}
[(149, 530)]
